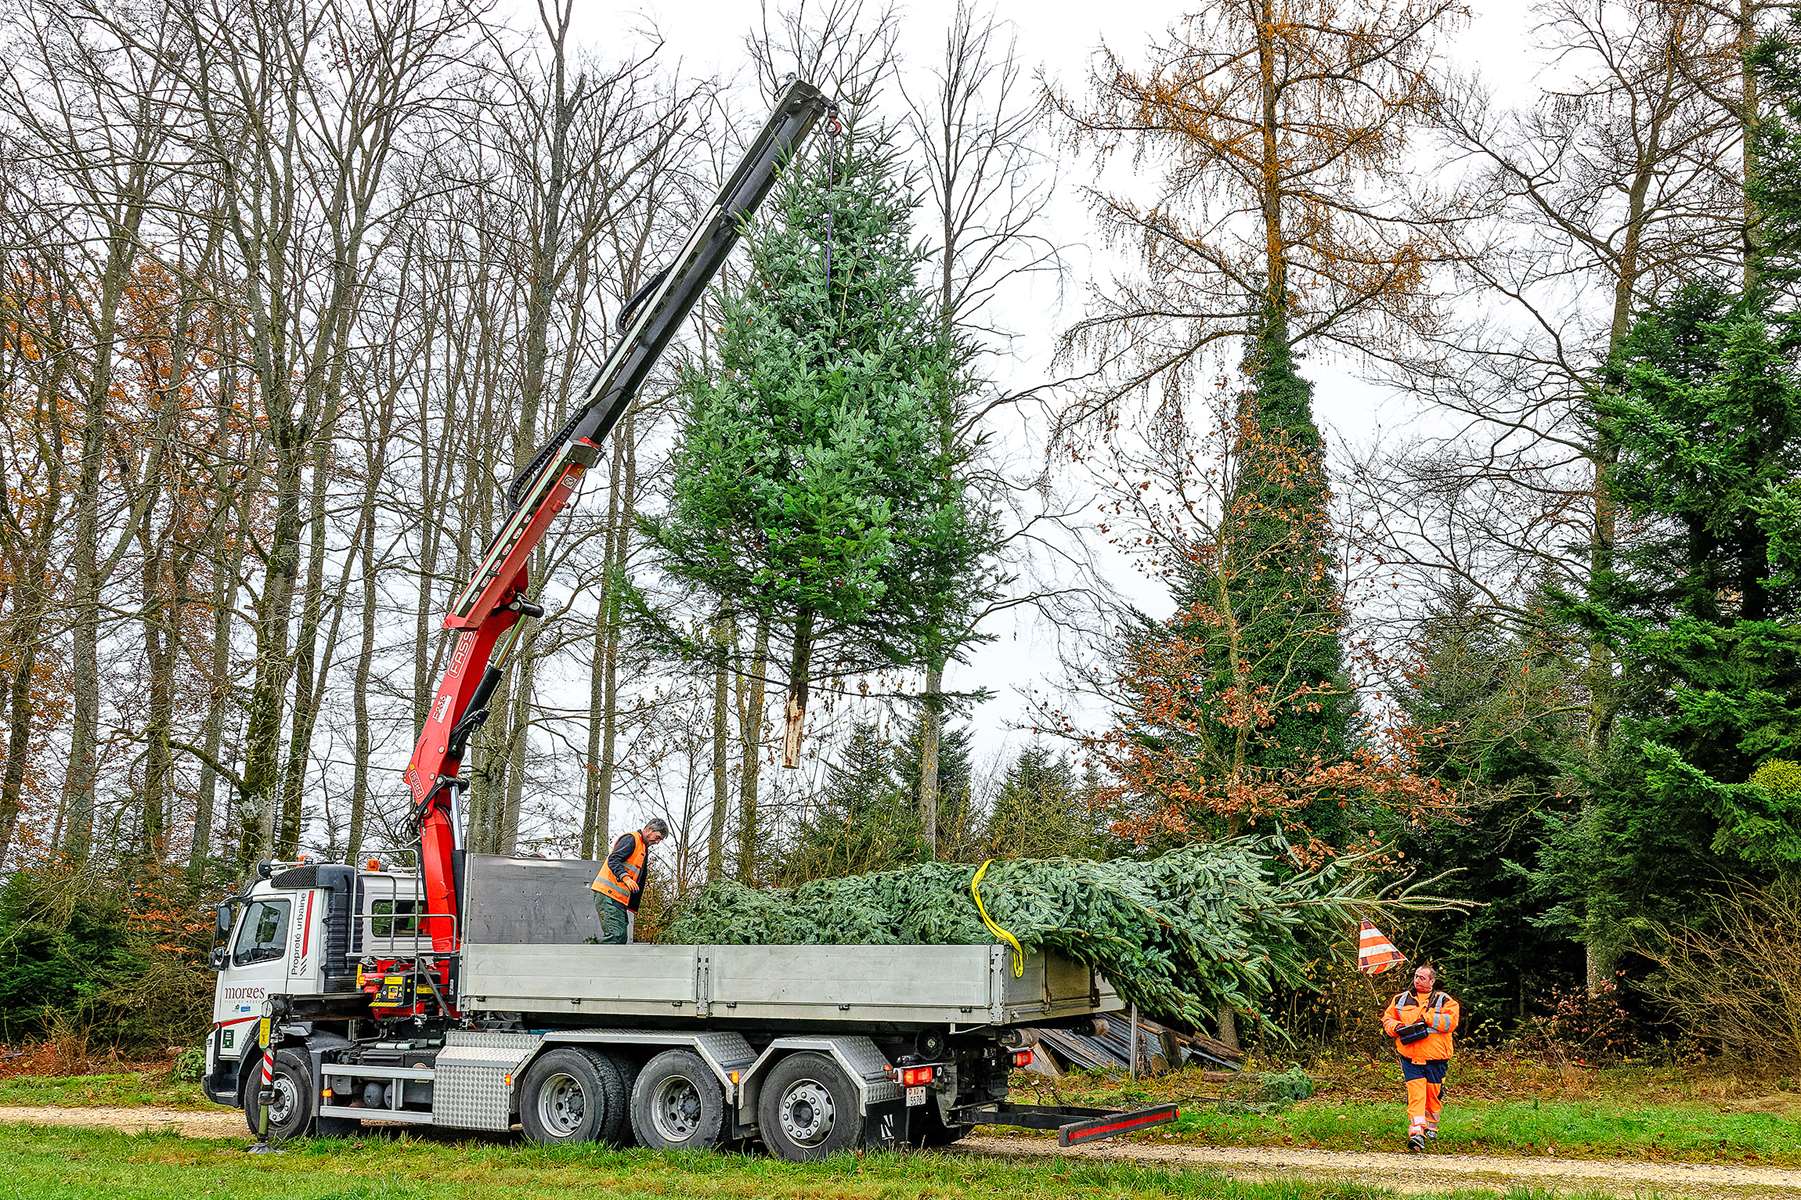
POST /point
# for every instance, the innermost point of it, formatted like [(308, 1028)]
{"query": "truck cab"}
[(299, 928)]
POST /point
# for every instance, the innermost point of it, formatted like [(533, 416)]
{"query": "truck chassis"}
[(806, 1049)]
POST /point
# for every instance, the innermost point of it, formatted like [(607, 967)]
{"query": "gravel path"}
[(224, 1122), (1404, 1172), (1438, 1170)]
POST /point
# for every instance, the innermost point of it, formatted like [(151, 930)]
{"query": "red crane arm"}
[(485, 615), (486, 612)]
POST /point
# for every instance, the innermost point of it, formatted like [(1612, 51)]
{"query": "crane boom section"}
[(487, 610)]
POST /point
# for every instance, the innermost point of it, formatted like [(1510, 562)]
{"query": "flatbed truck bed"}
[(807, 1049), (550, 965)]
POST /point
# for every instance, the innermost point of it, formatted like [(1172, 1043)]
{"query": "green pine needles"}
[(816, 489), (1181, 934)]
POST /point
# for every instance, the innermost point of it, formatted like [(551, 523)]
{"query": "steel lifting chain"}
[(833, 127)]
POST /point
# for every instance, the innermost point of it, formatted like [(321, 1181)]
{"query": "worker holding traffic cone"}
[(1421, 1020)]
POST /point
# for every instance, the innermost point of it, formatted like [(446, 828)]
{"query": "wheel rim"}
[(284, 1100), (675, 1108), (562, 1104), (808, 1113)]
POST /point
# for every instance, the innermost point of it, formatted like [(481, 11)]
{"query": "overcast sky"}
[(707, 37)]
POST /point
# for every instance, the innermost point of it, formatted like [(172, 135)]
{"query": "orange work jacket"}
[(1440, 1013), (624, 887)]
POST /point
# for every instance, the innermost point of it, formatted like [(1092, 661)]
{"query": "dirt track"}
[(225, 1122), (1398, 1171), (1435, 1171)]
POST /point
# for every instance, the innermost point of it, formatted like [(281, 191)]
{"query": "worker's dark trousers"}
[(615, 922)]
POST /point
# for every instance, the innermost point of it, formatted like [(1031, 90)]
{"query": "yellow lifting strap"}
[(1019, 953)]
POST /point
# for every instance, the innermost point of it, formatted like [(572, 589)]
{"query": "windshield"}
[(262, 935)]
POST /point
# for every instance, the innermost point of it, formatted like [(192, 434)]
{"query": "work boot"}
[(1416, 1143)]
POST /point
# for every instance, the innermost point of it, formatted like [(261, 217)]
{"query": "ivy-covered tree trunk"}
[(1288, 611)]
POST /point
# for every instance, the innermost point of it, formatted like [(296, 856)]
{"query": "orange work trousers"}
[(1425, 1092)]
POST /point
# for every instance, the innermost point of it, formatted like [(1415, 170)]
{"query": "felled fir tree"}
[(813, 488)]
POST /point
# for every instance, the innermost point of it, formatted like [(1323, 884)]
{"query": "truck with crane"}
[(470, 991)]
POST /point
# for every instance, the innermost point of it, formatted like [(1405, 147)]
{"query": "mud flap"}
[(885, 1126)]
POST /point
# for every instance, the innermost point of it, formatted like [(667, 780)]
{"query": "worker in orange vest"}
[(1421, 1021), (620, 884)]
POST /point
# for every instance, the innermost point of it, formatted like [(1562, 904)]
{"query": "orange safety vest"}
[(622, 890), (1441, 1014)]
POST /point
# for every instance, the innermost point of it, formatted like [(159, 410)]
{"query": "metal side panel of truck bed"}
[(529, 948), (903, 985)]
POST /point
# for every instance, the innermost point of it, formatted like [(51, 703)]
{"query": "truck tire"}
[(295, 1110), (616, 1081), (808, 1108), (564, 1098), (677, 1103)]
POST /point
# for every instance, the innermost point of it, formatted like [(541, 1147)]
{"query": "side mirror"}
[(221, 952)]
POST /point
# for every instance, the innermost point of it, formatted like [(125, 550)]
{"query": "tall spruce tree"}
[(1239, 701), (1703, 608), (1706, 410), (812, 486)]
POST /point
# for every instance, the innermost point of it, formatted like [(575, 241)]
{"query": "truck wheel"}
[(294, 1109), (563, 1098), (808, 1108), (616, 1081), (677, 1103)]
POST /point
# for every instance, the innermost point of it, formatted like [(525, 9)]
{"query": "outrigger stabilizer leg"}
[(265, 1091)]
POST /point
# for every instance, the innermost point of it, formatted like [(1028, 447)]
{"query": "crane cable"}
[(833, 128), (975, 889)]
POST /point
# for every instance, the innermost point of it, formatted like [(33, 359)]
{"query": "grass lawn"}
[(1498, 1105), (1493, 1105), (153, 1088), (1579, 1129), (84, 1165)]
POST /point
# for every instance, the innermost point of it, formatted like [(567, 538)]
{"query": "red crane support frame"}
[(486, 613)]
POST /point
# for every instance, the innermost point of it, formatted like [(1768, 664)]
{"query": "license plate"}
[(916, 1096)]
